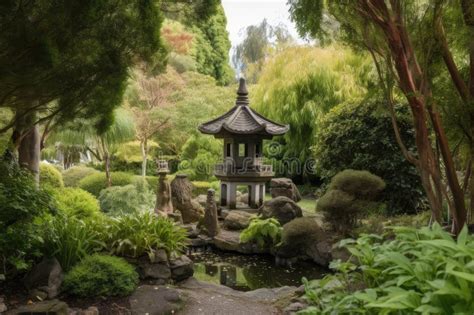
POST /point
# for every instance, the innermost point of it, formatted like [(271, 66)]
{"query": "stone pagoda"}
[(243, 131)]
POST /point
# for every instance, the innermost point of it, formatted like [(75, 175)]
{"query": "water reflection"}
[(250, 272)]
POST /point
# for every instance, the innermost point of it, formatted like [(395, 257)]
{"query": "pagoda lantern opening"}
[(243, 131)]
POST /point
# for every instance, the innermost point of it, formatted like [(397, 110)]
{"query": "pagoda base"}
[(256, 191)]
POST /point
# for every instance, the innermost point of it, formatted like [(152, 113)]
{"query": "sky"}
[(242, 13)]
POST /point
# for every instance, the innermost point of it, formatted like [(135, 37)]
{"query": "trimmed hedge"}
[(94, 183), (101, 275), (73, 175), (50, 176), (77, 202)]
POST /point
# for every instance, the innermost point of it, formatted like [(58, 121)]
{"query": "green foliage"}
[(137, 234), (94, 183), (101, 275), (321, 78), (351, 194), (72, 59), (20, 203), (360, 136), (70, 239), (50, 176), (200, 188), (119, 200), (265, 232), (76, 202), (419, 271), (73, 175), (200, 154), (300, 232)]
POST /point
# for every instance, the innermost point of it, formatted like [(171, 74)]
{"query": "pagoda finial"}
[(242, 93)]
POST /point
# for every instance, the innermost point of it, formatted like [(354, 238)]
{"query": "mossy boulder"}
[(281, 208)]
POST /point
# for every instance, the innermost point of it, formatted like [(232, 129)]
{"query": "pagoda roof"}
[(243, 120)]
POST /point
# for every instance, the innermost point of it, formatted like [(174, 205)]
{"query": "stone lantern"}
[(243, 131)]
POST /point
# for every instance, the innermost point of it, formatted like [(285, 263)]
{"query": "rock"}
[(284, 187), (300, 290), (201, 199), (281, 208), (242, 198), (3, 307), (237, 220), (176, 217), (149, 270), (89, 311), (210, 222), (48, 274), (159, 256), (266, 295), (230, 241), (163, 196), (38, 295), (181, 268), (293, 308), (51, 307), (181, 192), (155, 300), (224, 213)]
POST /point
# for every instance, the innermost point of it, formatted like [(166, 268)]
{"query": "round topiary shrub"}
[(50, 176), (77, 202), (351, 193), (73, 175), (100, 275), (94, 183), (301, 231)]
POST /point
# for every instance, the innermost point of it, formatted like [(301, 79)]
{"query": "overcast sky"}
[(242, 13)]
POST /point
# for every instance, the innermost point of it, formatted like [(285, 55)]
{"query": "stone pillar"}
[(224, 198), (262, 194), (210, 221), (253, 195), (163, 204), (232, 195)]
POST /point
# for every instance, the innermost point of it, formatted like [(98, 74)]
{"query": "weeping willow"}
[(301, 84)]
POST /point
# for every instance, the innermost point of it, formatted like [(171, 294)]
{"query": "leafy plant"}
[(76, 202), (100, 275), (73, 175), (70, 239), (419, 271), (94, 183), (20, 203), (118, 200), (265, 232), (140, 233), (50, 176)]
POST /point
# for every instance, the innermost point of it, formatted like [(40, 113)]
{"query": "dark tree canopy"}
[(70, 58)]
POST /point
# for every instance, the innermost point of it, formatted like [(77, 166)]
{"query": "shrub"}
[(265, 232), (200, 188), (137, 234), (351, 194), (77, 202), (199, 156), (20, 204), (50, 176), (415, 271), (73, 175), (94, 183), (360, 184), (360, 136), (70, 239), (301, 231), (100, 275), (127, 199)]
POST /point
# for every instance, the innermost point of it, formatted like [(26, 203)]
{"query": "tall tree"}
[(399, 36), (149, 98), (66, 59)]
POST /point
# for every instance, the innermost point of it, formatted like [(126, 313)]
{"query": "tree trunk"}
[(144, 149), (26, 136)]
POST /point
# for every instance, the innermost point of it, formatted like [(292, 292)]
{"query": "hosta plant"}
[(265, 232), (419, 271)]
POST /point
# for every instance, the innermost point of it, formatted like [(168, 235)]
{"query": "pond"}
[(250, 272)]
